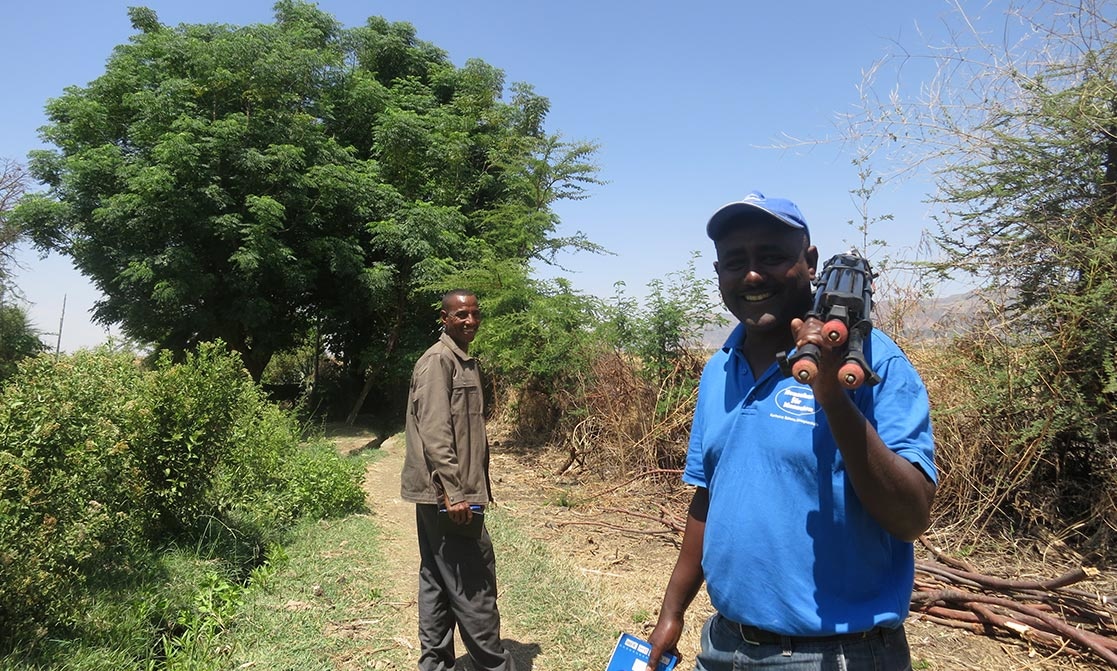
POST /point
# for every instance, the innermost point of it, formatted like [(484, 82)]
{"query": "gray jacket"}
[(447, 449)]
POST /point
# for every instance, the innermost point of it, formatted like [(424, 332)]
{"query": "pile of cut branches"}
[(1048, 613)]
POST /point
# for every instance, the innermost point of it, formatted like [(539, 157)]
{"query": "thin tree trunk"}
[(372, 373)]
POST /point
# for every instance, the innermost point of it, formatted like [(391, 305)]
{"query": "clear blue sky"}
[(683, 98)]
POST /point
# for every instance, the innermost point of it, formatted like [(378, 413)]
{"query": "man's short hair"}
[(465, 293)]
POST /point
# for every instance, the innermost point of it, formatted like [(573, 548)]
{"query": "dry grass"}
[(580, 519), (1001, 465), (624, 422), (621, 421)]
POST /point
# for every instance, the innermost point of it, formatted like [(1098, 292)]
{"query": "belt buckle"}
[(741, 629)]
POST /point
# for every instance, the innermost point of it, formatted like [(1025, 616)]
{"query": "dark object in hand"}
[(842, 300), (472, 528)]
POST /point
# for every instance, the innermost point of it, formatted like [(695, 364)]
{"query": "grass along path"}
[(344, 596)]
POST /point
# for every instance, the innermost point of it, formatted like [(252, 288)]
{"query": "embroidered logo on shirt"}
[(797, 400)]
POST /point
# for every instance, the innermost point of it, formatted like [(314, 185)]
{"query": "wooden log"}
[(1002, 584), (1058, 626), (1024, 631)]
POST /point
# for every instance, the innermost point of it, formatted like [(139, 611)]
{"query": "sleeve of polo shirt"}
[(433, 385), (901, 412)]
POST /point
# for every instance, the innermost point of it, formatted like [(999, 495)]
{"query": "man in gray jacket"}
[(446, 476)]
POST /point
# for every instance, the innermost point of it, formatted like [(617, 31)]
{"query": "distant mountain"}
[(913, 320), (935, 318)]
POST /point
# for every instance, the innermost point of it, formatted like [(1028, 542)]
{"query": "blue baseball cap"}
[(750, 206)]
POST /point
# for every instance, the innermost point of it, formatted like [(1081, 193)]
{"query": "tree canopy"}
[(250, 183)]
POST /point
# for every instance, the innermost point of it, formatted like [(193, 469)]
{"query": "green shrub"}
[(18, 339), (271, 480), (103, 466), (69, 483), (319, 486), (640, 395), (195, 406)]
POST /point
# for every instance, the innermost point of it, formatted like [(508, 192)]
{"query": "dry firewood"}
[(975, 627), (1069, 578), (1024, 631), (1096, 637), (676, 524), (1058, 626), (992, 582), (985, 623), (926, 585), (1108, 603), (1048, 602), (1044, 612), (955, 614), (1015, 613), (944, 572)]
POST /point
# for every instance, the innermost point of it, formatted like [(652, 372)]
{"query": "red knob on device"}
[(851, 375), (835, 331), (804, 370)]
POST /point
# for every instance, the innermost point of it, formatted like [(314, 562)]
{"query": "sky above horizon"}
[(687, 103)]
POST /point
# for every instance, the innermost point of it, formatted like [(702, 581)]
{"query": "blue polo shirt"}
[(788, 546)]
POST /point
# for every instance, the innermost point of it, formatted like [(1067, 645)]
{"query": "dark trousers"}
[(457, 586)]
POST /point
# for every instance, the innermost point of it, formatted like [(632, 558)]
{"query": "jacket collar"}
[(445, 339)]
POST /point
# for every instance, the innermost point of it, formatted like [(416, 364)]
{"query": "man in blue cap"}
[(808, 497)]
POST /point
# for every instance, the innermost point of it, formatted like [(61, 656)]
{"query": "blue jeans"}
[(724, 649)]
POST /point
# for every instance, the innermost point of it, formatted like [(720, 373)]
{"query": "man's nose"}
[(752, 276)]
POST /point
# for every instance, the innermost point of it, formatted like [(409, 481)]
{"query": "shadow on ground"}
[(523, 654)]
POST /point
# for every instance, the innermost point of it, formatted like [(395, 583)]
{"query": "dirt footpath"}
[(627, 559), (396, 520)]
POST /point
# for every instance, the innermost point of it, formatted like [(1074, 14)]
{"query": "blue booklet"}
[(631, 654)]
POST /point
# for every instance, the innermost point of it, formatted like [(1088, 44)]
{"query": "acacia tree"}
[(251, 183), (1019, 125), (18, 338), (13, 185)]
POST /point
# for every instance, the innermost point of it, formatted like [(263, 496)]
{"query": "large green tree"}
[(253, 183)]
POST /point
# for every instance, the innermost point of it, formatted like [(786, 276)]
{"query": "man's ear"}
[(812, 259), (715, 267)]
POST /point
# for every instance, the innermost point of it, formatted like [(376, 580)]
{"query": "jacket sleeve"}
[(434, 377)]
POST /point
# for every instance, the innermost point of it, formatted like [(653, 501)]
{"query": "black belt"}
[(751, 634)]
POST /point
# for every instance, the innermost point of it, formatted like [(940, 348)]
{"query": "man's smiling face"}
[(765, 269), (460, 318)]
